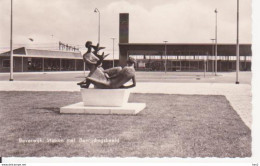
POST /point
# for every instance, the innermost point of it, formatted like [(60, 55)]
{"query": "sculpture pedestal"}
[(104, 101), (105, 97), (79, 108)]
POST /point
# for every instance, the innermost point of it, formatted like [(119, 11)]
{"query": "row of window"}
[(248, 58)]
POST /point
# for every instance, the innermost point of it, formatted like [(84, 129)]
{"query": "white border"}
[(193, 161)]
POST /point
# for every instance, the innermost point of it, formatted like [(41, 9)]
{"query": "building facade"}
[(26, 60), (180, 56)]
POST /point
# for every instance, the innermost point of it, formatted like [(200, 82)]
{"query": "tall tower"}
[(123, 28), (123, 37)]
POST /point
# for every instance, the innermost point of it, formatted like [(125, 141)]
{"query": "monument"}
[(110, 94)]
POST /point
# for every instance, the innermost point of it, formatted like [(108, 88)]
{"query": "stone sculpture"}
[(112, 78)]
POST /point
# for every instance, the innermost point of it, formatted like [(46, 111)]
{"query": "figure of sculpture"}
[(112, 78)]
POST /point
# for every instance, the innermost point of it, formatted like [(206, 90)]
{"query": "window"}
[(6, 63)]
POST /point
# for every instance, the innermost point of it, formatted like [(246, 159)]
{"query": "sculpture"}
[(112, 78)]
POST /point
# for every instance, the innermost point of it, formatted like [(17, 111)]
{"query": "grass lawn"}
[(170, 126)]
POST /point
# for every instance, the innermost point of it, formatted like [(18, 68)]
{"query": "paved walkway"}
[(239, 96), (173, 77)]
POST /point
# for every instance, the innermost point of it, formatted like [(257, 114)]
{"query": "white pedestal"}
[(79, 108), (104, 101), (105, 97)]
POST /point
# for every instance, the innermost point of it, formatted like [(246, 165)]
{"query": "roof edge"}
[(183, 43)]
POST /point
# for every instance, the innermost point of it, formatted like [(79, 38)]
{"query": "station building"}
[(180, 56), (26, 60), (33, 60), (149, 56)]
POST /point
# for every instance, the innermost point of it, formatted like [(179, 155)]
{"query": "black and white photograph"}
[(126, 78)]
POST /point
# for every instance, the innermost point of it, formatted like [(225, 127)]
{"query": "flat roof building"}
[(179, 56), (26, 59)]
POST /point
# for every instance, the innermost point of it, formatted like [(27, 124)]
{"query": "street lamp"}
[(165, 55), (11, 46), (216, 43), (97, 11), (213, 40), (237, 47), (113, 51)]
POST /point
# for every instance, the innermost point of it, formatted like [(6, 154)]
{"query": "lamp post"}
[(205, 60), (213, 40), (97, 11), (11, 46), (216, 43), (165, 67), (113, 51), (237, 47)]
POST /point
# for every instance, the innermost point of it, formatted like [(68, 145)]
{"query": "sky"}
[(150, 21)]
